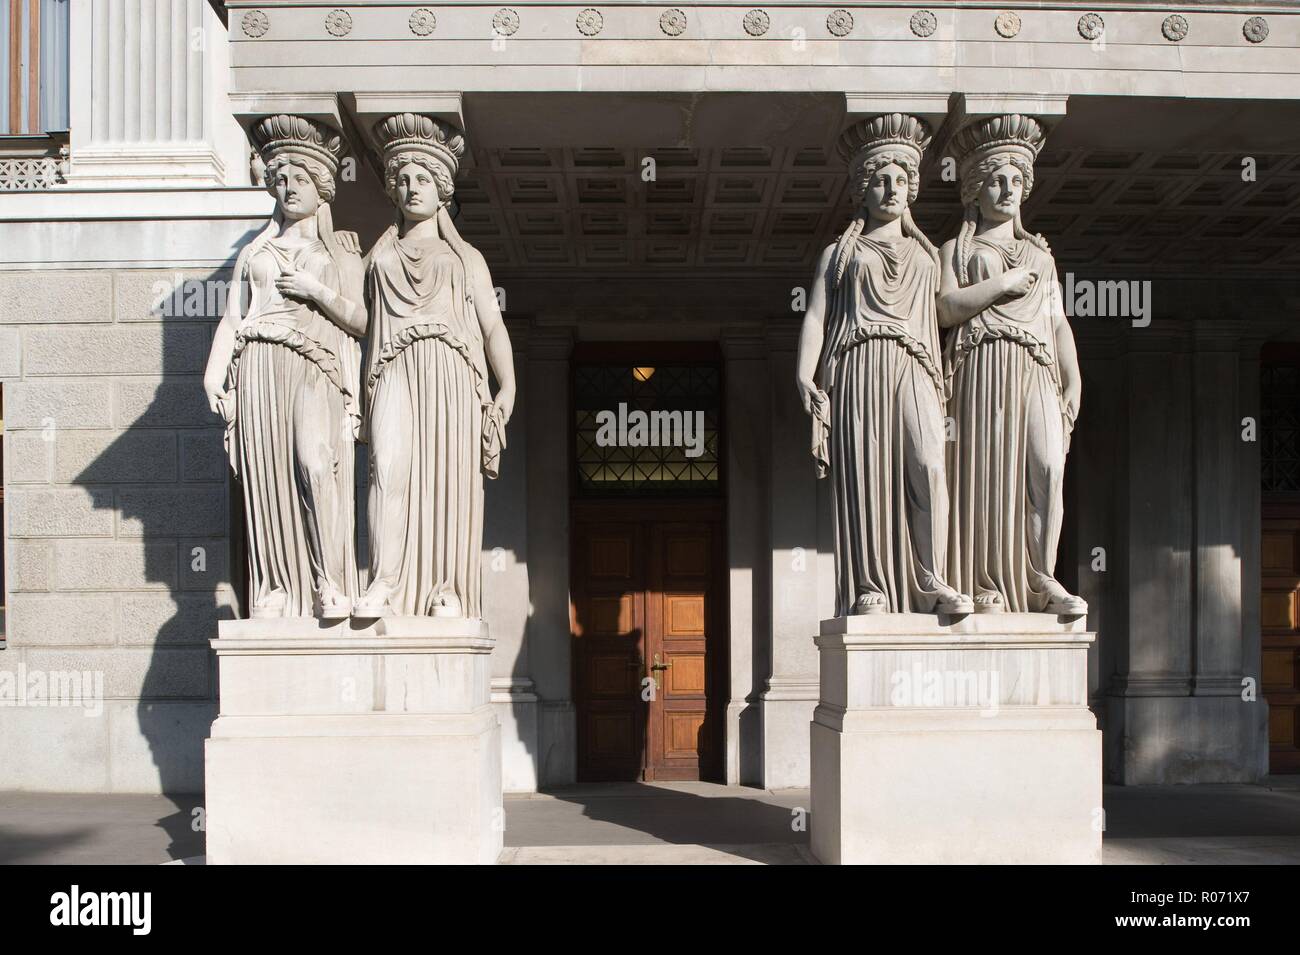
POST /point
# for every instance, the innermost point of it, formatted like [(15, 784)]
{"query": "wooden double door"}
[(1280, 625), (647, 620)]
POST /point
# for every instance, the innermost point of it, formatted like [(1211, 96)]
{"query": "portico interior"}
[(676, 218)]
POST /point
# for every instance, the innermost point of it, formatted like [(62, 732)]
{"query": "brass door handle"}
[(660, 666)]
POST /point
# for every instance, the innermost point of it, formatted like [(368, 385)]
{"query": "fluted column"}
[(148, 96)]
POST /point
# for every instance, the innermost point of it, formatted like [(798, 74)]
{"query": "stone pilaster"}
[(547, 633), (744, 352), (1175, 713), (148, 96), (505, 588), (791, 693)]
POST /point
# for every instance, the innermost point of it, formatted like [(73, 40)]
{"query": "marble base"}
[(354, 742), (955, 740)]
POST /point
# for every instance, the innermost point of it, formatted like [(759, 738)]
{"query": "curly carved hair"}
[(971, 186), (442, 177), (320, 176), (862, 175)]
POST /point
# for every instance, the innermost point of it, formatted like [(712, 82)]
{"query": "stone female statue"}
[(434, 428), (870, 339), (1014, 379), (283, 372)]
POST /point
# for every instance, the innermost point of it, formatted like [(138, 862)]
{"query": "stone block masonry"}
[(117, 525)]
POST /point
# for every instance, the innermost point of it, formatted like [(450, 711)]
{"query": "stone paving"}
[(670, 823)]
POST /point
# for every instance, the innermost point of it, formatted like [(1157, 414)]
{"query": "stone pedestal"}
[(354, 742), (955, 740)]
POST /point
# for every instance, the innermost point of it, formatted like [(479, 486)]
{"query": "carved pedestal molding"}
[(955, 741), (347, 744)]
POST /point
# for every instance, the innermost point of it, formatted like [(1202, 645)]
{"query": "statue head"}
[(884, 155), (297, 188), (1001, 190), (995, 161), (421, 157), (302, 158)]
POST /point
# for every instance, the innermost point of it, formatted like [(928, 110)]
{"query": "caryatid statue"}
[(284, 373), (1014, 379), (433, 425), (870, 374)]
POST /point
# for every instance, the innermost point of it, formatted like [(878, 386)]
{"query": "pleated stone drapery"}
[(427, 390), (291, 433), (880, 366), (1007, 462)]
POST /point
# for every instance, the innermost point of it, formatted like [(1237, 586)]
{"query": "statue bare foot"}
[(952, 602), (271, 605), (374, 603), (334, 605), (445, 605), (988, 601), (1060, 601), (868, 602)]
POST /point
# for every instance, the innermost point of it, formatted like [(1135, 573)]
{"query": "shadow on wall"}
[(167, 478)]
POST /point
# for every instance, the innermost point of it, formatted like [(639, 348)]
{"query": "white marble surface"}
[(955, 741), (382, 736)]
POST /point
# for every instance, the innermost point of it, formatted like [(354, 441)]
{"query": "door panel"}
[(608, 629), (1280, 639), (649, 650)]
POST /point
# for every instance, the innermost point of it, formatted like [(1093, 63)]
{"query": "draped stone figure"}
[(870, 376), (433, 425), (1014, 379), (283, 372)]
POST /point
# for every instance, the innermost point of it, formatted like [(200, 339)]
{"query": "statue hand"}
[(300, 285), (815, 400), (215, 389), (1018, 281), (504, 405)]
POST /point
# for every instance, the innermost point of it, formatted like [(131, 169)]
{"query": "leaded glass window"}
[(1280, 428), (647, 429)]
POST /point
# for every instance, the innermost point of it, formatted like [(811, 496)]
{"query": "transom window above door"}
[(647, 427)]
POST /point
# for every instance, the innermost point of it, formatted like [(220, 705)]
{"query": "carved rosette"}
[(1091, 26), (255, 23), (338, 23), (839, 22), (673, 22), (1255, 29), (924, 23), (756, 22), (505, 22), (422, 22), (1174, 28), (1007, 24), (590, 22)]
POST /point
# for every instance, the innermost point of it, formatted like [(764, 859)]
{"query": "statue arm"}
[(337, 292), (1067, 358), (344, 308), (496, 341), (812, 334), (957, 304), (223, 341)]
